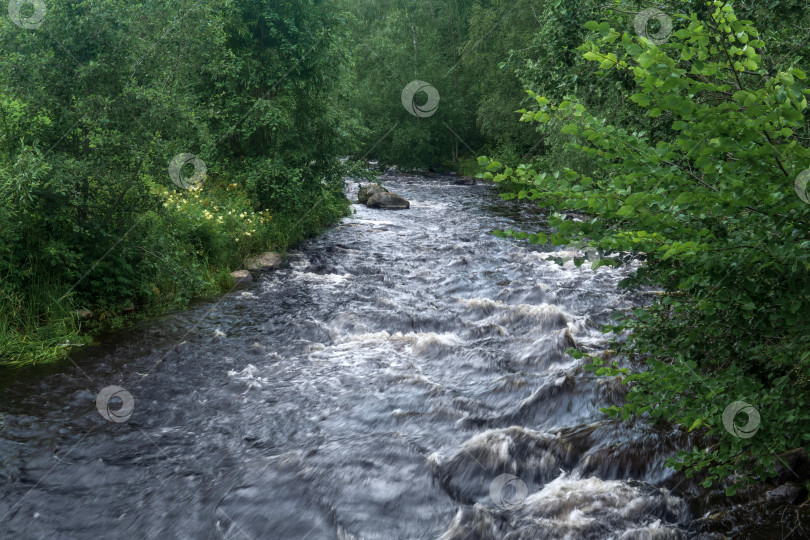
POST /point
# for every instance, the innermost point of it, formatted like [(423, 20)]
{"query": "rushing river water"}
[(380, 386)]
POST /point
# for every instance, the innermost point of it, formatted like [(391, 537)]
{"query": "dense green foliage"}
[(479, 55), (94, 105), (399, 41), (707, 195), (681, 152)]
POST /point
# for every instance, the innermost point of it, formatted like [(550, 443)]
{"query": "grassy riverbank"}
[(110, 111), (183, 250)]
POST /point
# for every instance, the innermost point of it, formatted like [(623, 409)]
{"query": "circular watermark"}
[(409, 99), (588, 253), (583, 253), (643, 19), (177, 176), (800, 185), (120, 414), (33, 20), (752, 425), (508, 491)]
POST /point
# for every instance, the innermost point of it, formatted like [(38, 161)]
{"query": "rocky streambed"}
[(402, 376)]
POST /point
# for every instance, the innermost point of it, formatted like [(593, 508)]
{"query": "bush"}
[(710, 201), (94, 109)]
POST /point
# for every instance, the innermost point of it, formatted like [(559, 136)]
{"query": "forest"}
[(148, 148)]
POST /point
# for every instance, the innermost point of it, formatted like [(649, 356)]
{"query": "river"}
[(403, 376)]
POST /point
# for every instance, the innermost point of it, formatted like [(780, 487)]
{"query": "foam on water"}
[(378, 386)]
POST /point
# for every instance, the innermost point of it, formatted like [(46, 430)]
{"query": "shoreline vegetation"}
[(679, 128), (147, 150), (231, 223), (713, 193)]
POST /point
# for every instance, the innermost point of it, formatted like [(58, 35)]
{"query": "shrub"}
[(710, 201)]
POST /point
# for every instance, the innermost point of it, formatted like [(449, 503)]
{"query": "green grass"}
[(39, 328), (36, 328)]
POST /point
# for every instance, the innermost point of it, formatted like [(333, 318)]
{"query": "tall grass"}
[(183, 258), (36, 327)]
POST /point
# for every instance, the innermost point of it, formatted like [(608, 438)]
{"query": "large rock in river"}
[(388, 201), (367, 190)]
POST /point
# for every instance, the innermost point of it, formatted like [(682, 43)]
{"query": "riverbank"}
[(189, 245), (414, 350)]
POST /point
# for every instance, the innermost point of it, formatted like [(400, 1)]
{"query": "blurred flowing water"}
[(377, 387)]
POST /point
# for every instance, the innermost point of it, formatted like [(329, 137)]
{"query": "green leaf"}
[(641, 99), (494, 166)]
